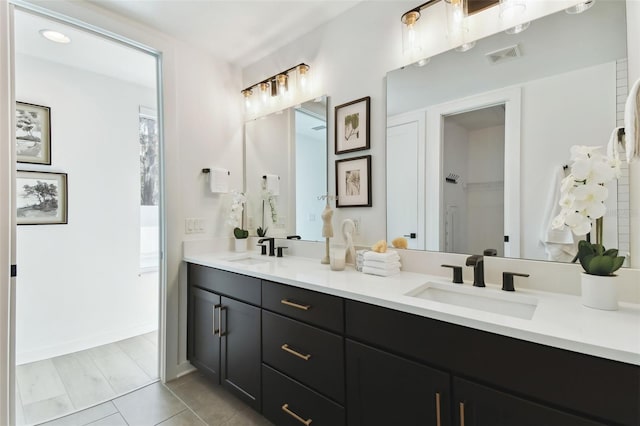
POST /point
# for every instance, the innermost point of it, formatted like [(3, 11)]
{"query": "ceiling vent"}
[(504, 54)]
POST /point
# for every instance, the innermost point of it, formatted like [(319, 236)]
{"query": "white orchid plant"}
[(582, 197), (238, 199)]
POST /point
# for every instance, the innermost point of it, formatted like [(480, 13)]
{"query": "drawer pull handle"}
[(285, 408), (286, 348), (295, 305), (216, 331), (438, 422), (462, 414)]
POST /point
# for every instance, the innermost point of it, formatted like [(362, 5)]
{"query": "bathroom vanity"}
[(306, 345)]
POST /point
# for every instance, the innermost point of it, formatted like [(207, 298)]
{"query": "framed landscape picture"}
[(41, 198), (33, 133), (353, 182), (352, 126)]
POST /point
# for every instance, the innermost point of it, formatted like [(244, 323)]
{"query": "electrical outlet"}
[(250, 222), (198, 226)]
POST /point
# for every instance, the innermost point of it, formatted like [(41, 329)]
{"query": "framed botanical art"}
[(353, 182), (352, 126), (33, 133), (41, 198)]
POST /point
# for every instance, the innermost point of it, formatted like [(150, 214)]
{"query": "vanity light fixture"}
[(457, 12), (278, 90), (580, 7), (422, 62), (55, 36)]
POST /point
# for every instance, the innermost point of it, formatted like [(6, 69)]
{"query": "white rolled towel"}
[(379, 272), (388, 256), (382, 265)]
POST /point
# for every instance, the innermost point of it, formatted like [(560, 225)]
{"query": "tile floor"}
[(54, 387), (188, 401)]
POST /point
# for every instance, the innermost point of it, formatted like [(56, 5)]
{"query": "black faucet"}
[(272, 245), (477, 261), (507, 280)]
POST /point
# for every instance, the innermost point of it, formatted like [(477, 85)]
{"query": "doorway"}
[(473, 186), (88, 293)]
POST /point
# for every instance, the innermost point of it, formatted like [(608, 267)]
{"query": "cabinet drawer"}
[(289, 403), (315, 308), (225, 283), (312, 356)]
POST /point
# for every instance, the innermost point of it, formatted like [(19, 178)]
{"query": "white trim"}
[(435, 119)]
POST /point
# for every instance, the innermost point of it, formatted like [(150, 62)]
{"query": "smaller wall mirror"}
[(286, 171)]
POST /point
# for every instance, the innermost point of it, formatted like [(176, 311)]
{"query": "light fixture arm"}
[(274, 77)]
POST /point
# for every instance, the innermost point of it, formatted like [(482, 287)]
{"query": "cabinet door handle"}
[(438, 421), (285, 408), (295, 305), (286, 348), (216, 331), (222, 332), (462, 414)]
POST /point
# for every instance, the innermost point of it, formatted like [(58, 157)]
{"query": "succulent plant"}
[(240, 234), (262, 232), (596, 260)]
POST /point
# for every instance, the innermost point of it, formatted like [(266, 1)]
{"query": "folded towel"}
[(379, 272), (388, 256), (382, 265), (632, 123)]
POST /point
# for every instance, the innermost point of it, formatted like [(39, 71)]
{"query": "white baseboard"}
[(86, 342)]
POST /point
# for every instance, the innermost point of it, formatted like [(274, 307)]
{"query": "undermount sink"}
[(247, 260), (480, 298)]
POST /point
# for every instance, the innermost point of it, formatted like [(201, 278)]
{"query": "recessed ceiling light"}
[(55, 36)]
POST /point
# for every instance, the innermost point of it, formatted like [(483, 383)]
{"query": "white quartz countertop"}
[(559, 320)]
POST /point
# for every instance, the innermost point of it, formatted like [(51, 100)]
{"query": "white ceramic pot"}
[(599, 292), (241, 245)]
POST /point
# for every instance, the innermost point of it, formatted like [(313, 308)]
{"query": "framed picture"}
[(41, 198), (352, 126), (353, 182), (33, 133)]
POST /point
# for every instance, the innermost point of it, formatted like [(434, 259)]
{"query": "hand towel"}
[(379, 272), (388, 256), (218, 180), (382, 265), (559, 244), (612, 146), (632, 123)]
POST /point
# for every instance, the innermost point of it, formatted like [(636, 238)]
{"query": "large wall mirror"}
[(286, 171), (477, 140)]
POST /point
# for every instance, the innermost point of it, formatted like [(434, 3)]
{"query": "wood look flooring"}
[(58, 386)]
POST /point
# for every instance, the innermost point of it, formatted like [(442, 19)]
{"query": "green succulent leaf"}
[(611, 253), (599, 249), (585, 260), (617, 263), (600, 265), (240, 233)]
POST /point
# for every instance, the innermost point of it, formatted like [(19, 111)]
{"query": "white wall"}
[(81, 279)]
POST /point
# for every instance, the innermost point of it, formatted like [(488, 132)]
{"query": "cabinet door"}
[(383, 389), (241, 350), (477, 405), (203, 342)]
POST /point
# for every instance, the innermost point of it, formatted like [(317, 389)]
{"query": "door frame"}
[(511, 98), (7, 192)]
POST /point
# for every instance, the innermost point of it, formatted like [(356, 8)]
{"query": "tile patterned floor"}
[(188, 401), (54, 387)]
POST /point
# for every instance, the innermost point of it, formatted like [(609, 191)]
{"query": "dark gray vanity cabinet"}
[(384, 389), (224, 331), (502, 376)]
